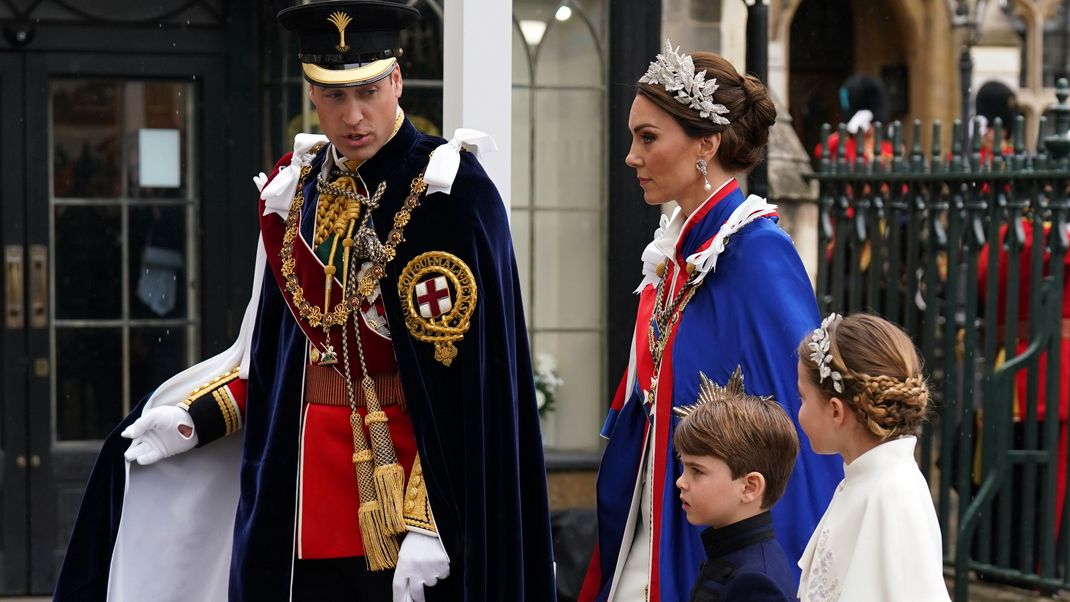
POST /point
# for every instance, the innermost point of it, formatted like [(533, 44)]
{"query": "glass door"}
[(111, 251)]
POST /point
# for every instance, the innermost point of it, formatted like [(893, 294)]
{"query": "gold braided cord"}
[(393, 238), (380, 478), (330, 211), (381, 511), (388, 477)]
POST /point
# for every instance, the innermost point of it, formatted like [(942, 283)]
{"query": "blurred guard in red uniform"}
[(864, 99)]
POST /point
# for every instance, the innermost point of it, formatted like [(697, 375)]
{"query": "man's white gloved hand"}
[(422, 561), (157, 435)]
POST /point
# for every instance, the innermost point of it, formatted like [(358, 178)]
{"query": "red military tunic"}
[(328, 491)]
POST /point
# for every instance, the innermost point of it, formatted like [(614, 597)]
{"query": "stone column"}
[(477, 78)]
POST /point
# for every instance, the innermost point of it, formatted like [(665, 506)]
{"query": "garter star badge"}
[(438, 295)]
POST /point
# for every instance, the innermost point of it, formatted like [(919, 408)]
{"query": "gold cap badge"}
[(340, 20)]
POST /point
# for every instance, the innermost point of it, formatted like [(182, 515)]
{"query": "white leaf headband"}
[(819, 352), (676, 73)]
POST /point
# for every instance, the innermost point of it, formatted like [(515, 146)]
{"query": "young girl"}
[(864, 398)]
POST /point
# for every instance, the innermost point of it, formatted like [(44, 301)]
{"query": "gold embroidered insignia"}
[(438, 293), (340, 20), (417, 506)]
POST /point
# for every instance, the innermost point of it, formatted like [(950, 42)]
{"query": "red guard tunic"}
[(1024, 304), (328, 492)]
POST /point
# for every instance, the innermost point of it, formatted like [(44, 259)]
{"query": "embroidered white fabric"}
[(823, 585), (879, 539)]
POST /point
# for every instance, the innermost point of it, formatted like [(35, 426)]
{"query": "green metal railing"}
[(966, 250)]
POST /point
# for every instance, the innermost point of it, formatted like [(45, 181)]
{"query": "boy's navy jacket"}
[(745, 563)]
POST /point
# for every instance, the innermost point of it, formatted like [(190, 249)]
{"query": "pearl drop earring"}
[(701, 165)]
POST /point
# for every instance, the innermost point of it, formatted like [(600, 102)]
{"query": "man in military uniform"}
[(375, 425)]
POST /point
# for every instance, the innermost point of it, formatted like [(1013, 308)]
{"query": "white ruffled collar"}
[(662, 250)]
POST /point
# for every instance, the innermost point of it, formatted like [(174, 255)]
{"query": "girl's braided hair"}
[(881, 374)]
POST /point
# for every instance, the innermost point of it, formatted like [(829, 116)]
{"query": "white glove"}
[(156, 435), (422, 561)]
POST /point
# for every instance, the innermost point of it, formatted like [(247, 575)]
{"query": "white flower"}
[(546, 381), (545, 363)]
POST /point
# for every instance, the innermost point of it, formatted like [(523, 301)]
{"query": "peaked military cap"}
[(348, 42)]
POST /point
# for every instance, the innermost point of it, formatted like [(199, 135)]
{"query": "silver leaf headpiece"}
[(820, 354), (676, 73)]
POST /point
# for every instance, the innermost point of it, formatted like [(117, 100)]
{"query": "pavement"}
[(979, 592), (987, 592)]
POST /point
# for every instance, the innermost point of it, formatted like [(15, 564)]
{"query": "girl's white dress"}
[(879, 539)]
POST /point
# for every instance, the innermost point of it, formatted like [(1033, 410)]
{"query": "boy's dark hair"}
[(747, 432)]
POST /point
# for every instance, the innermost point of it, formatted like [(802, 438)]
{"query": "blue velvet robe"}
[(476, 422), (752, 311)]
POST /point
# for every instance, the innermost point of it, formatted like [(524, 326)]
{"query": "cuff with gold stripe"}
[(214, 409), (417, 513)]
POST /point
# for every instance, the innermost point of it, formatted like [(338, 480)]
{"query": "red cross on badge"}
[(433, 297)]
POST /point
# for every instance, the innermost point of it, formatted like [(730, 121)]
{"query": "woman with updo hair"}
[(722, 286), (865, 398)]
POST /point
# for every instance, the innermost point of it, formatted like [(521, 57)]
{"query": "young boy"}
[(737, 451)]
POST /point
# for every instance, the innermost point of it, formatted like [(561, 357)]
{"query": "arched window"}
[(559, 203)]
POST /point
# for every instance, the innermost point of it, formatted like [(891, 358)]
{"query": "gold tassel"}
[(389, 476), (380, 549), (390, 492)]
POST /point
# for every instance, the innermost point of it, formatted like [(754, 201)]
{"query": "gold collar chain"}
[(315, 316)]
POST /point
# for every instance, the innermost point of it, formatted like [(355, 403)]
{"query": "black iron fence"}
[(966, 249)]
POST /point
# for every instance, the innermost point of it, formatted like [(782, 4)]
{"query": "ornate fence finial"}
[(1058, 143), (917, 159), (826, 157), (936, 158), (957, 152)]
